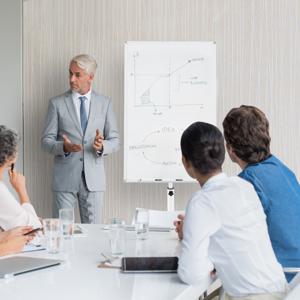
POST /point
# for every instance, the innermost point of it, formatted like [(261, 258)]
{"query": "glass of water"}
[(117, 235), (141, 222), (66, 217), (52, 233)]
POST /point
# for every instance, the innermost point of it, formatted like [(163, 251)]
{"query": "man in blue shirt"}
[(246, 131)]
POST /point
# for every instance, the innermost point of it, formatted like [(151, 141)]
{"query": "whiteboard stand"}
[(170, 196)]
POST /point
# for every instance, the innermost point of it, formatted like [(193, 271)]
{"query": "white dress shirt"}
[(225, 227), (87, 103), (13, 214)]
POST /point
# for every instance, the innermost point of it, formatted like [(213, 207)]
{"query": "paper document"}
[(32, 247), (79, 231), (151, 228)]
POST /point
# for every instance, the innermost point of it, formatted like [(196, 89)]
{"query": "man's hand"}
[(69, 147), (179, 225), (98, 141)]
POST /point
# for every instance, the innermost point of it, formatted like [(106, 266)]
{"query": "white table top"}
[(79, 278)]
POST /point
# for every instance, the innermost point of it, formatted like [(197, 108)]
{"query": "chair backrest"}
[(162, 218), (296, 278), (294, 286)]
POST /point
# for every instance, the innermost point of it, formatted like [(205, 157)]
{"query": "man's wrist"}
[(99, 152)]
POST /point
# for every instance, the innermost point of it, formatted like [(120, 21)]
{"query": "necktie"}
[(83, 116)]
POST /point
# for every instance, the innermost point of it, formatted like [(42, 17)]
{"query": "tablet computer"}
[(167, 264), (16, 265)]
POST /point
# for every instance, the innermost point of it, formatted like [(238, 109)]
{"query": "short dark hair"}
[(8, 144), (203, 145), (246, 130)]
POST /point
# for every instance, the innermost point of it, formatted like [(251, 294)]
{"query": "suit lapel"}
[(72, 111)]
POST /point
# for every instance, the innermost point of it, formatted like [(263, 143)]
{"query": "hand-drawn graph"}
[(172, 80), (168, 86)]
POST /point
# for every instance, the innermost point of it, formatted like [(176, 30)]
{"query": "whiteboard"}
[(167, 87)]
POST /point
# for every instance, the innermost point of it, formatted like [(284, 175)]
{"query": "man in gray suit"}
[(80, 130)]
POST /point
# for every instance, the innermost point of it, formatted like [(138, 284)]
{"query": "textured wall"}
[(258, 63)]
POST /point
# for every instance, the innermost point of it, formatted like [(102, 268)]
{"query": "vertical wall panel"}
[(258, 63), (11, 70)]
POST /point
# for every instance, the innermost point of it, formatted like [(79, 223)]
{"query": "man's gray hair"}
[(8, 144), (85, 62)]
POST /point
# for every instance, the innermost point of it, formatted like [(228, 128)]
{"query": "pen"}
[(33, 231)]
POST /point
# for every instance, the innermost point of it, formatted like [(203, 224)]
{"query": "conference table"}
[(79, 277)]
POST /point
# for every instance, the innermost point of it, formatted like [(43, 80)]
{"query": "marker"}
[(157, 179), (178, 179), (12, 167)]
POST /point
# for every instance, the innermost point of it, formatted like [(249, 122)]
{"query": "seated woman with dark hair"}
[(13, 213), (225, 226), (246, 131)]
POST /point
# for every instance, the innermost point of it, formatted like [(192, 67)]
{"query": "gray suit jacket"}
[(62, 119)]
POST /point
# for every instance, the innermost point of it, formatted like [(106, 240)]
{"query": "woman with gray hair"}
[(12, 212)]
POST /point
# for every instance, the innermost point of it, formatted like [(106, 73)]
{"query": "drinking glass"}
[(141, 222), (52, 235), (66, 217), (117, 237)]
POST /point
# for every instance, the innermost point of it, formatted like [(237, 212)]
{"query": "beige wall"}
[(258, 63)]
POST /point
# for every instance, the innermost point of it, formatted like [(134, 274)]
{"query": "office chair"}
[(294, 286), (293, 293)]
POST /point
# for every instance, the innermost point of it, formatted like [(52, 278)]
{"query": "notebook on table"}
[(16, 265)]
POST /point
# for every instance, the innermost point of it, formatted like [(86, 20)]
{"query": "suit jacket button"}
[(81, 159), (84, 142)]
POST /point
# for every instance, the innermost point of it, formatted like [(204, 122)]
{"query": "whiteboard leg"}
[(170, 197)]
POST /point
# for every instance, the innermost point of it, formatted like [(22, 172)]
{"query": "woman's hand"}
[(14, 240), (14, 244), (17, 231), (179, 226), (17, 180)]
